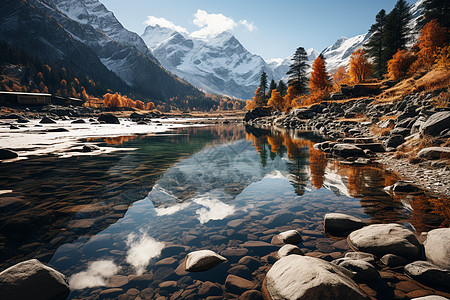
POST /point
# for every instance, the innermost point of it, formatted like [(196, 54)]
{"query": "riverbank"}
[(410, 136)]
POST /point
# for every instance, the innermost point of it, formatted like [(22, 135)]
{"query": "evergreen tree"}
[(263, 84), (282, 88), (297, 71), (375, 46), (435, 9), (396, 32), (272, 86)]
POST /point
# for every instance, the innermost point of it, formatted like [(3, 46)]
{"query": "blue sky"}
[(272, 29)]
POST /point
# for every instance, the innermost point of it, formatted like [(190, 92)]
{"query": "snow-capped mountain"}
[(281, 66), (219, 64)]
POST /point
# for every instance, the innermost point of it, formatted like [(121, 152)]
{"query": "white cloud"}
[(97, 274), (213, 24), (142, 249), (153, 21), (213, 209)]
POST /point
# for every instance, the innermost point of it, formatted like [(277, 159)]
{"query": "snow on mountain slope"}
[(219, 64), (281, 66)]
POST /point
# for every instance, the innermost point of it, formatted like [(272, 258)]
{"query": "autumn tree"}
[(282, 88), (258, 98), (360, 67), (150, 106), (250, 105), (375, 44), (319, 76), (140, 105), (297, 71), (340, 77), (290, 96), (276, 101), (432, 38), (400, 63)]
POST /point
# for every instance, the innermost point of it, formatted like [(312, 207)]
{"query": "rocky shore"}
[(410, 136)]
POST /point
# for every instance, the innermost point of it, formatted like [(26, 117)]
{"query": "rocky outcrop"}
[(381, 239), (435, 124), (434, 153), (258, 112), (437, 247), (302, 277), (202, 260), (341, 223), (33, 280)]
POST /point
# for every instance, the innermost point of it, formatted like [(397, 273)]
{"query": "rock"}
[(289, 250), (136, 115), (437, 247), (381, 239), (89, 148), (241, 271), (402, 187), (290, 237), (110, 293), (302, 277), (435, 124), (392, 260), (47, 120), (434, 153), (257, 113), (251, 262), (360, 269), (251, 295), (22, 120), (13, 127), (347, 150), (202, 260), (279, 219), (428, 274), (259, 247), (431, 297), (108, 119), (209, 289), (7, 154), (370, 258), (79, 121), (237, 285), (404, 132), (394, 140), (342, 223), (171, 250), (33, 280)]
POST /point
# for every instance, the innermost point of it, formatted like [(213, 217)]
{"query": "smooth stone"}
[(236, 223), (47, 120), (33, 280), (347, 150), (90, 148), (110, 293), (251, 295), (202, 260), (290, 237), (370, 258), (241, 271), (289, 250), (431, 297), (209, 289), (238, 285), (360, 269), (392, 260), (108, 119), (302, 277), (381, 239), (7, 154), (434, 153), (342, 223), (435, 124), (279, 219), (437, 247), (172, 250), (428, 274), (249, 261), (79, 121)]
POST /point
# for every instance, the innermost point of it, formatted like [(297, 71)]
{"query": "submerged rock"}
[(202, 260), (342, 223), (289, 250), (33, 280), (437, 247), (290, 237), (381, 239), (303, 277)]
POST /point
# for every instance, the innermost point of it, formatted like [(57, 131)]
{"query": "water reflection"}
[(97, 274), (142, 249), (212, 209)]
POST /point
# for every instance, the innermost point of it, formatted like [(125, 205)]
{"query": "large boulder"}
[(381, 239), (394, 140), (108, 119), (435, 124), (347, 150), (434, 153), (33, 280), (302, 277), (258, 112), (437, 247), (341, 223), (202, 260), (428, 274)]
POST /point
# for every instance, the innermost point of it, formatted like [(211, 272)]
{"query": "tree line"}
[(387, 54)]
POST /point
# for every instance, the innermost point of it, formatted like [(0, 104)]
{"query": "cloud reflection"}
[(213, 209), (167, 211), (142, 249), (97, 274)]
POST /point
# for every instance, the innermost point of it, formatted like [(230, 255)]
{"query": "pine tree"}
[(272, 86), (435, 9), (263, 84), (375, 46), (282, 88), (396, 34), (297, 71)]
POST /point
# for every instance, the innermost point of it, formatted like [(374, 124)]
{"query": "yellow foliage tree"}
[(150, 106), (340, 77), (289, 98), (250, 105), (400, 63), (276, 101), (140, 105), (360, 68), (258, 98), (432, 38)]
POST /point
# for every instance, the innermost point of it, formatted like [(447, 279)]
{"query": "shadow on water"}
[(211, 188)]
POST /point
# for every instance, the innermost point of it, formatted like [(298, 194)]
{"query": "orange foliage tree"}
[(432, 38), (276, 101), (340, 77), (250, 105), (140, 105), (259, 97), (290, 98), (400, 63), (360, 67), (150, 106), (319, 76)]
